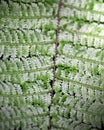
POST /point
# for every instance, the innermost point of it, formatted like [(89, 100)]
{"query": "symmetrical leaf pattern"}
[(31, 98)]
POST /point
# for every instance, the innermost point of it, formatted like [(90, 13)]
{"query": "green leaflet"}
[(67, 68)]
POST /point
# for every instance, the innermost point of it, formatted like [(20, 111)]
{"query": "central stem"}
[(54, 61)]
